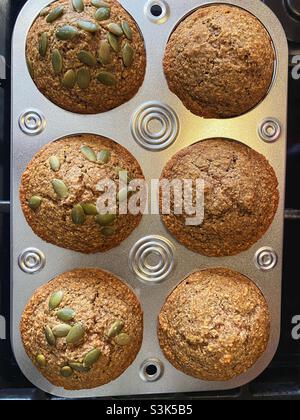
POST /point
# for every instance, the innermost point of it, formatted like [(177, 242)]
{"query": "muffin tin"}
[(153, 126)]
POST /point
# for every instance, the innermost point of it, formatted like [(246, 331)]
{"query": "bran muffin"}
[(83, 329), (215, 325), (59, 192), (220, 61), (240, 196), (86, 56)]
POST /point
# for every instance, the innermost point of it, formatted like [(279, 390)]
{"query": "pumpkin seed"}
[(78, 367), (30, 68), (88, 153), (91, 358), (67, 32), (66, 314), (104, 156), (105, 219), (44, 12), (89, 209), (76, 334), (87, 58), (55, 14), (107, 78), (50, 336), (83, 78), (128, 55), (103, 13), (66, 372), (54, 163), (55, 300), (60, 188), (43, 44), (35, 202), (78, 5), (57, 61), (115, 29), (100, 3), (41, 360), (69, 79), (78, 215), (124, 176), (127, 30), (108, 231), (88, 26), (114, 42), (122, 339), (124, 194), (61, 331), (115, 329), (104, 53)]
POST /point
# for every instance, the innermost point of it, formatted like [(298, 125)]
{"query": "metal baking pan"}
[(36, 121)]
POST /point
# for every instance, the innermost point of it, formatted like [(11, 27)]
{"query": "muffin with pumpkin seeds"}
[(60, 187), (86, 56), (83, 329)]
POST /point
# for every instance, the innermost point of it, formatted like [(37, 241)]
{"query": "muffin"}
[(220, 61), (86, 56), (215, 325), (59, 193), (240, 196), (83, 329)]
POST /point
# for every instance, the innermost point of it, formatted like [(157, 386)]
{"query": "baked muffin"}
[(83, 329), (220, 61), (240, 196), (59, 192), (86, 56), (215, 325)]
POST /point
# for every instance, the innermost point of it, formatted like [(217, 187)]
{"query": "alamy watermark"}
[(296, 67)]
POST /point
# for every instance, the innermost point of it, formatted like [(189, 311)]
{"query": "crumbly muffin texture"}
[(241, 196), (220, 61), (59, 192), (215, 325), (83, 329), (86, 56)]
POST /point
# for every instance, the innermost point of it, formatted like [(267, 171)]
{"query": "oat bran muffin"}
[(86, 56), (59, 193), (241, 196), (215, 325), (220, 61), (83, 329)]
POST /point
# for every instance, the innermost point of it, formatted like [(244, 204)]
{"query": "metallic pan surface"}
[(60, 123)]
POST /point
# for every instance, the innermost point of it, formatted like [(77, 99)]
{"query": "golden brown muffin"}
[(241, 196), (220, 61), (86, 56), (59, 192), (83, 329), (215, 325)]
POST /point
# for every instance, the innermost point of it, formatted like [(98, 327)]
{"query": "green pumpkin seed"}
[(87, 58), (105, 219), (88, 153), (128, 55), (30, 68), (66, 372), (104, 53), (83, 78), (44, 12), (55, 300), (108, 231), (35, 202), (103, 13), (91, 358), (69, 79), (122, 339), (107, 78), (41, 360), (100, 3), (115, 329), (115, 29), (78, 5), (67, 32), (54, 163), (55, 14), (124, 194), (89, 209), (60, 188), (78, 215), (51, 340), (104, 156), (88, 26), (76, 334), (61, 331), (78, 367), (57, 61), (114, 42), (43, 44), (124, 176), (127, 30), (66, 314)]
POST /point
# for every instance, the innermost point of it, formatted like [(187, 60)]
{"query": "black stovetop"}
[(282, 378)]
